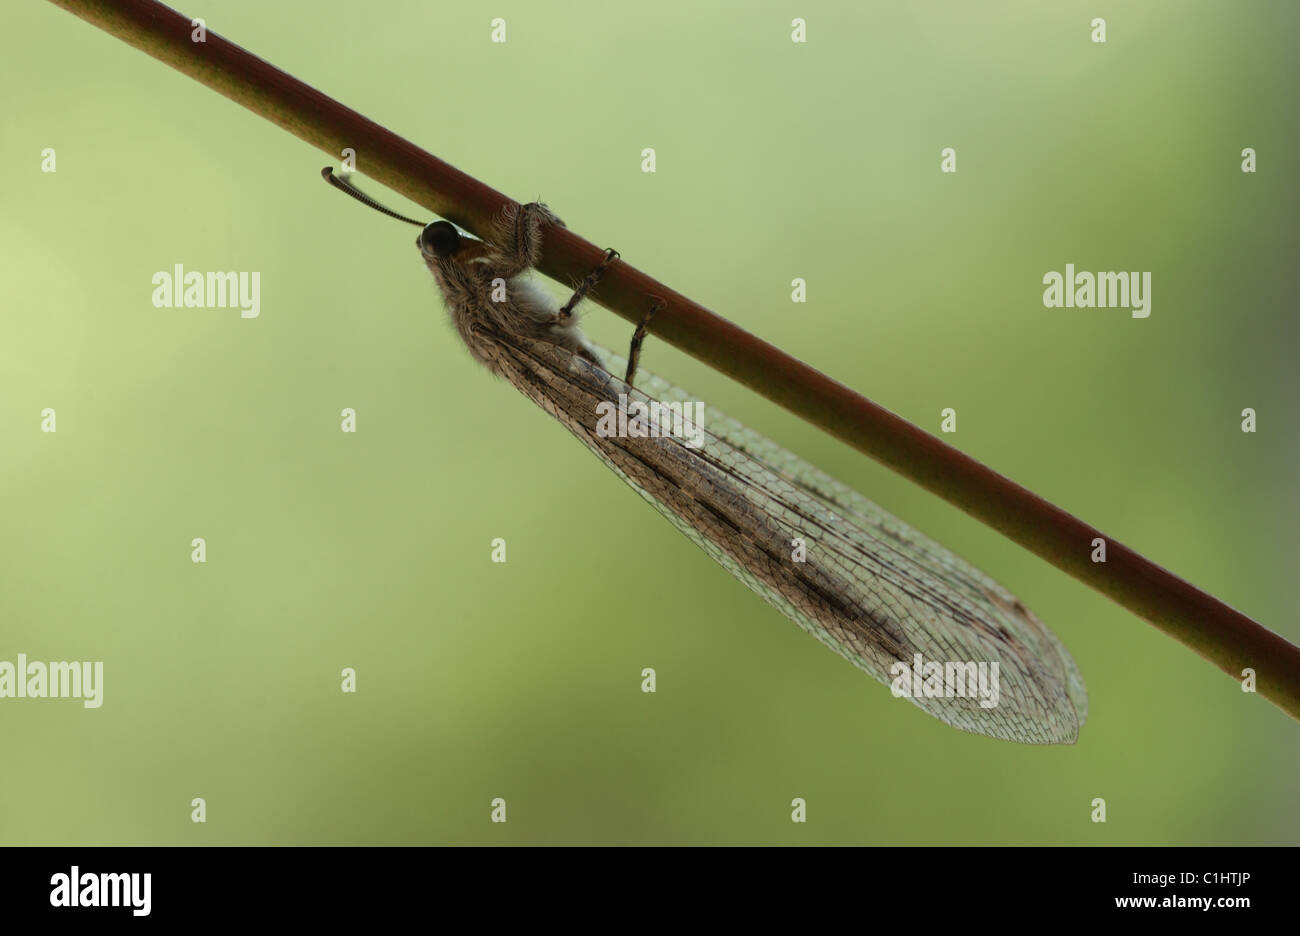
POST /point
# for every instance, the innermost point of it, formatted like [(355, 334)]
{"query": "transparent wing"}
[(874, 590)]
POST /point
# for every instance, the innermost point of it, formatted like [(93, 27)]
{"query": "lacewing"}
[(891, 601)]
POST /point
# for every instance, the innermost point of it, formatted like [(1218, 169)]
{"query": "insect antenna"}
[(345, 186)]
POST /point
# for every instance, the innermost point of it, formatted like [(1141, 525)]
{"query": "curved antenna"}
[(344, 186)]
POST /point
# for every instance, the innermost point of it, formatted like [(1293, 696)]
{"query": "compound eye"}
[(440, 238)]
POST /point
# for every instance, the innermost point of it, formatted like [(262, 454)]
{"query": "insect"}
[(894, 603)]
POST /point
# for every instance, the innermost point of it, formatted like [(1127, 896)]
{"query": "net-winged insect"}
[(892, 602)]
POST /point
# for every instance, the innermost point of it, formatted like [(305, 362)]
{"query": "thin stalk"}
[(1221, 634)]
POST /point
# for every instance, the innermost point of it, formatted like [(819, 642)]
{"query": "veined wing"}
[(870, 587)]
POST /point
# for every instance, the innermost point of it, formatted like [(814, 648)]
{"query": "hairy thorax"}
[(482, 303)]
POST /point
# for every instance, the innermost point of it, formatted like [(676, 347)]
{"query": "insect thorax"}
[(482, 303)]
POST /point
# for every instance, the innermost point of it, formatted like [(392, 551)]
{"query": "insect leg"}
[(517, 237), (588, 283), (638, 336)]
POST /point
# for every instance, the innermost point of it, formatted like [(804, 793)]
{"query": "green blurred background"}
[(522, 680)]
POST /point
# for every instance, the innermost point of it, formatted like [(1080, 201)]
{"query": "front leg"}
[(517, 237)]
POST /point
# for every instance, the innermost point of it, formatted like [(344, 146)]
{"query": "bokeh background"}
[(522, 680)]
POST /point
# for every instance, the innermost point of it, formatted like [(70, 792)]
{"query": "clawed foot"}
[(544, 214)]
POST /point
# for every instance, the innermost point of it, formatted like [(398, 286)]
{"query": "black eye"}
[(440, 238)]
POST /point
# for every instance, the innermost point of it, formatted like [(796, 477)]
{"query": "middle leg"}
[(588, 283)]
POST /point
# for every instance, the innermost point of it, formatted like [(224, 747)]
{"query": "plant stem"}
[(1222, 635)]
